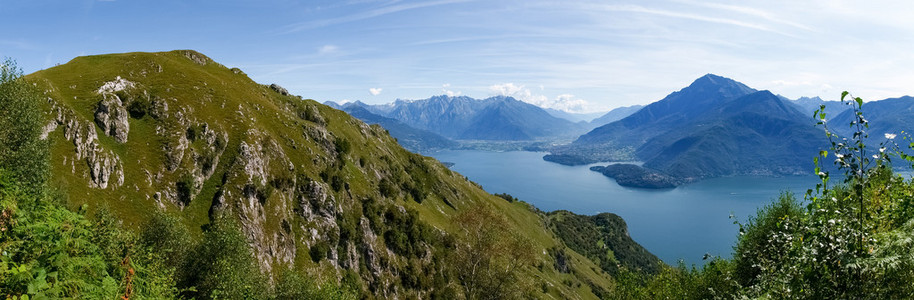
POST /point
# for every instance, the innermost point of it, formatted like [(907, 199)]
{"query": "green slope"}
[(311, 187)]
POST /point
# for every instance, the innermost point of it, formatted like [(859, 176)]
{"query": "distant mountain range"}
[(616, 114), (492, 119), (893, 115), (809, 105), (573, 117), (714, 127), (413, 139)]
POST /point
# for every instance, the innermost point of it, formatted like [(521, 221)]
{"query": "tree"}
[(489, 262), (22, 152)]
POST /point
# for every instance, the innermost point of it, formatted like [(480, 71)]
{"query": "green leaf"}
[(844, 94), (859, 102)]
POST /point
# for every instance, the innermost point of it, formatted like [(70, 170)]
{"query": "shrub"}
[(319, 251), (224, 265), (22, 153), (139, 107)]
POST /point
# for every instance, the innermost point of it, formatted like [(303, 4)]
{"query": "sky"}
[(577, 56)]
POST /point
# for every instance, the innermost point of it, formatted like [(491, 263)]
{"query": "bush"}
[(167, 236), (319, 251), (186, 188), (139, 107), (22, 153), (224, 265), (506, 196), (766, 238)]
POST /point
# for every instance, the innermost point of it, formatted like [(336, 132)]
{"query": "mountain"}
[(756, 134), (615, 115), (573, 117), (309, 189), (809, 105), (464, 118), (893, 115), (416, 140), (714, 127), (670, 113)]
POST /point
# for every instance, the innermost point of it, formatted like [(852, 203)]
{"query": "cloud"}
[(696, 17), (374, 91), (446, 89), (327, 49), (365, 15), (749, 11), (564, 102), (510, 89)]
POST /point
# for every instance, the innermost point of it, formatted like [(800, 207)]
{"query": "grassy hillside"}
[(310, 187)]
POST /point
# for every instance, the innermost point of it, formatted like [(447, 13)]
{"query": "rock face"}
[(196, 57), (111, 117), (279, 89), (104, 166), (114, 86), (111, 113)]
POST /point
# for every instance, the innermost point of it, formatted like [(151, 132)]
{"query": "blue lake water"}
[(681, 223)]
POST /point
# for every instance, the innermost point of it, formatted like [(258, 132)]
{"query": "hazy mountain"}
[(892, 115), (715, 126), (465, 118), (754, 134), (573, 117), (676, 109), (809, 105), (416, 140), (615, 115)]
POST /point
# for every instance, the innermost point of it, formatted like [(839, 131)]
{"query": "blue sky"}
[(573, 55)]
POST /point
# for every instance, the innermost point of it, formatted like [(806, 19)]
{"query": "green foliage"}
[(170, 240), (387, 188), (293, 286), (224, 266), (506, 196), (404, 233), (139, 107), (766, 238), (604, 240), (319, 251), (22, 153), (490, 256), (50, 251), (185, 187)]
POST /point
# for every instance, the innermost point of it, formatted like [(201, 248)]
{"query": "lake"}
[(681, 223)]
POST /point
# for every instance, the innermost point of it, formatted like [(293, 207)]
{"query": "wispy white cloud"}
[(684, 15), (375, 91), (327, 49), (386, 10), (746, 10)]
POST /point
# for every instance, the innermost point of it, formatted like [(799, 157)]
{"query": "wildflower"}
[(890, 136)]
